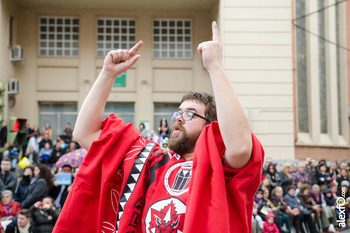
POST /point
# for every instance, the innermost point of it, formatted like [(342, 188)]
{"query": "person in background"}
[(294, 168), (56, 154), (344, 175), (273, 176), (45, 215), (163, 130), (285, 209), (32, 155), (33, 142), (22, 224), (294, 203), (60, 192), (165, 144), (13, 156), (9, 208), (68, 131), (286, 176), (3, 134), (333, 170), (48, 130), (154, 136), (268, 161), (258, 198), (45, 153), (269, 225), (301, 175), (267, 206), (318, 201), (330, 208), (323, 177), (27, 175), (299, 184), (266, 184), (334, 190), (8, 178), (142, 130), (39, 186), (72, 147), (45, 140), (311, 169)]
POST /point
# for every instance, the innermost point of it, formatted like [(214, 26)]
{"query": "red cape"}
[(215, 203)]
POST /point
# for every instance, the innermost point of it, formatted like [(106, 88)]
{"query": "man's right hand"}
[(119, 61)]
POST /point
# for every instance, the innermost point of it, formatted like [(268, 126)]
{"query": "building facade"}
[(293, 86)]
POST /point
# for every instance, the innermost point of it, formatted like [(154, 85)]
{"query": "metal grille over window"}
[(113, 34), (172, 38), (59, 36)]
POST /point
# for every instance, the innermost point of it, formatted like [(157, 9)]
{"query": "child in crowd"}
[(269, 225), (329, 198)]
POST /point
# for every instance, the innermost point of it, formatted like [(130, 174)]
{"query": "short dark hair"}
[(67, 165), (6, 159), (25, 212), (51, 198), (291, 187), (206, 99)]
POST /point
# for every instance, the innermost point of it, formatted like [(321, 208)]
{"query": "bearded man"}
[(206, 183)]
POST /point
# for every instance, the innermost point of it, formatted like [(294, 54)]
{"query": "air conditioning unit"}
[(16, 53), (13, 86)]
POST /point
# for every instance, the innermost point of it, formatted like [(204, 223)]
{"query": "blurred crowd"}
[(32, 196), (308, 196)]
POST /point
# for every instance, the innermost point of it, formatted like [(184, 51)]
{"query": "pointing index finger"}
[(134, 49), (216, 36)]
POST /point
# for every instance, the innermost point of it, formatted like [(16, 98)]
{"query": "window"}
[(338, 70), (126, 111), (57, 115), (322, 68), (59, 36), (172, 38), (303, 111), (115, 34)]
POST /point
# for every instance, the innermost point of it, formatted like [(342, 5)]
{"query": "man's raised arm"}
[(233, 122), (88, 125)]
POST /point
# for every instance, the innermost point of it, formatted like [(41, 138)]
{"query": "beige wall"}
[(62, 79), (258, 59), (7, 68)]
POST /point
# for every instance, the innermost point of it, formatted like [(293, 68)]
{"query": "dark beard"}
[(182, 144)]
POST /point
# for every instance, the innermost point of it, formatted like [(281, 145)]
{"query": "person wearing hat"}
[(60, 192), (165, 144), (257, 200), (266, 206), (294, 202), (269, 225), (331, 206)]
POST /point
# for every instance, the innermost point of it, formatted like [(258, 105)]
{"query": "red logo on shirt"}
[(165, 216)]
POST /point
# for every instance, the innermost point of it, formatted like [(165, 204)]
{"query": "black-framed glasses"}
[(187, 116)]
